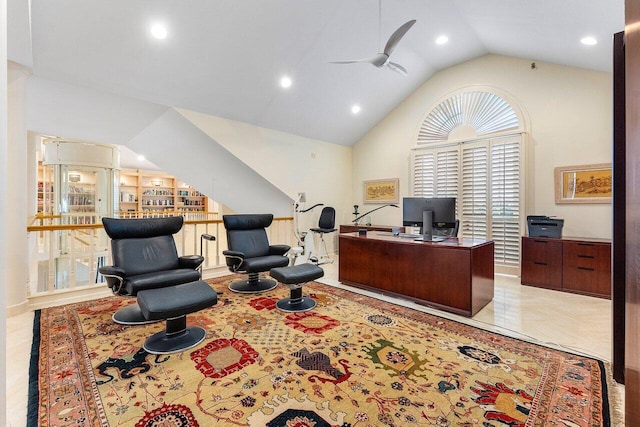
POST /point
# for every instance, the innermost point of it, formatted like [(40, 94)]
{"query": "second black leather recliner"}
[(250, 252)]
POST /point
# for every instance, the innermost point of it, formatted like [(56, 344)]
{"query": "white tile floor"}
[(571, 322)]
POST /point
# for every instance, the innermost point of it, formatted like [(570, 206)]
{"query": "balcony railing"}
[(66, 257)]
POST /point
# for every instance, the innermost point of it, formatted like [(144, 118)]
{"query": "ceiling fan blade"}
[(397, 35), (397, 68), (349, 61), (372, 60)]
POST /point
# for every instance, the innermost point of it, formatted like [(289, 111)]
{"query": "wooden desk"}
[(455, 275)]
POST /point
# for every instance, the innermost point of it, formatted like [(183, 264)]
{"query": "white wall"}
[(292, 163), (569, 110), (181, 149), (75, 112), (5, 246)]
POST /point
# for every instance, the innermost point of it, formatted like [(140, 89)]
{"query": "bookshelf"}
[(80, 197), (148, 192), (45, 200)]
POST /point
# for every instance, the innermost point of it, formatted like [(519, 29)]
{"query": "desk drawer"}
[(541, 274), (586, 280), (587, 255), (542, 251)]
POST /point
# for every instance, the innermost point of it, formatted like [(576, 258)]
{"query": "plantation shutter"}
[(423, 167), (475, 191), (505, 201), (436, 172), (447, 172), (485, 178)]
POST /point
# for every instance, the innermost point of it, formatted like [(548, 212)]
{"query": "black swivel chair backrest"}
[(247, 233), (145, 245), (447, 232), (327, 221)]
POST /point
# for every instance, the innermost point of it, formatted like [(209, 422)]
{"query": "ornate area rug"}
[(351, 361)]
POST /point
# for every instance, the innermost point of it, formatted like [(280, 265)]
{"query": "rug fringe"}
[(616, 403), (33, 393)]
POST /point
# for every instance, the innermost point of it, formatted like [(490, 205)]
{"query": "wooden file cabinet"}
[(570, 265), (542, 263)]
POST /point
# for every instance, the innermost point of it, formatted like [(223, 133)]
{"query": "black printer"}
[(543, 226)]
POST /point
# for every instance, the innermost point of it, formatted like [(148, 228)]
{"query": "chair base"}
[(175, 338), (131, 315), (292, 305), (324, 259), (252, 286)]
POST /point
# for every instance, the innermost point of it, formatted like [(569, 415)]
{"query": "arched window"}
[(470, 146)]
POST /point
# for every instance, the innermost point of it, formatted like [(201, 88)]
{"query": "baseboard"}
[(14, 310), (67, 296)]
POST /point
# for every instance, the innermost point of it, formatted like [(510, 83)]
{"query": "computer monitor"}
[(443, 211)]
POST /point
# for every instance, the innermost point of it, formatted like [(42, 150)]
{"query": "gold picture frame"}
[(584, 184), (382, 191)]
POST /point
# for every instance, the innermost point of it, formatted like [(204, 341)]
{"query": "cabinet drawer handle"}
[(541, 241), (586, 244), (586, 256), (540, 263), (586, 268)]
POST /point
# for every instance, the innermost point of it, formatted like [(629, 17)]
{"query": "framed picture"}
[(584, 184), (382, 191)]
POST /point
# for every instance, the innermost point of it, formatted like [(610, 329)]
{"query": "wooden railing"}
[(67, 256)]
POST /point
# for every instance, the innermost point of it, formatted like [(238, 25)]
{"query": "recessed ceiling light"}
[(285, 81), (589, 41), (159, 31), (141, 157), (355, 109), (442, 40)]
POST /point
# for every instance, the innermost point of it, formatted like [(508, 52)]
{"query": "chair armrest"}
[(234, 259), (278, 249), (190, 261), (114, 277)]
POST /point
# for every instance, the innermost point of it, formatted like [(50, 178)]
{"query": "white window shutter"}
[(505, 201), (447, 172), (423, 167), (475, 191)]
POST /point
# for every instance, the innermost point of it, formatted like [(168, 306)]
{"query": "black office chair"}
[(326, 225), (250, 252), (447, 231)]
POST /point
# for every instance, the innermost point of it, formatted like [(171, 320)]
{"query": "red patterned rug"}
[(351, 361)]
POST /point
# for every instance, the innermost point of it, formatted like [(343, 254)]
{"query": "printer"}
[(543, 226)]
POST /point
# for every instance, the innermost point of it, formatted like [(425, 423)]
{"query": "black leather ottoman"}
[(173, 304), (295, 277)]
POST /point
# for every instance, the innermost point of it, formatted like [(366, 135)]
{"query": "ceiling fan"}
[(381, 59)]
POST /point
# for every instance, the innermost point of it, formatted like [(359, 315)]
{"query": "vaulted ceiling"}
[(225, 58)]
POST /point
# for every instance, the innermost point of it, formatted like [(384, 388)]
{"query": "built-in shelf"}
[(147, 191)]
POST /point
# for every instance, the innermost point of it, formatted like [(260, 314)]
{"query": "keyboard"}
[(433, 239), (419, 237), (409, 235)]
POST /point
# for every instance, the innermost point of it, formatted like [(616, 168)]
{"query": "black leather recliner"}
[(145, 257), (250, 252)]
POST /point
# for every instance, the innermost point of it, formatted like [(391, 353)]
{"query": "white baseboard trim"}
[(14, 310)]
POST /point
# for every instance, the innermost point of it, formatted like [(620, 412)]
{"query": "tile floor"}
[(566, 321)]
